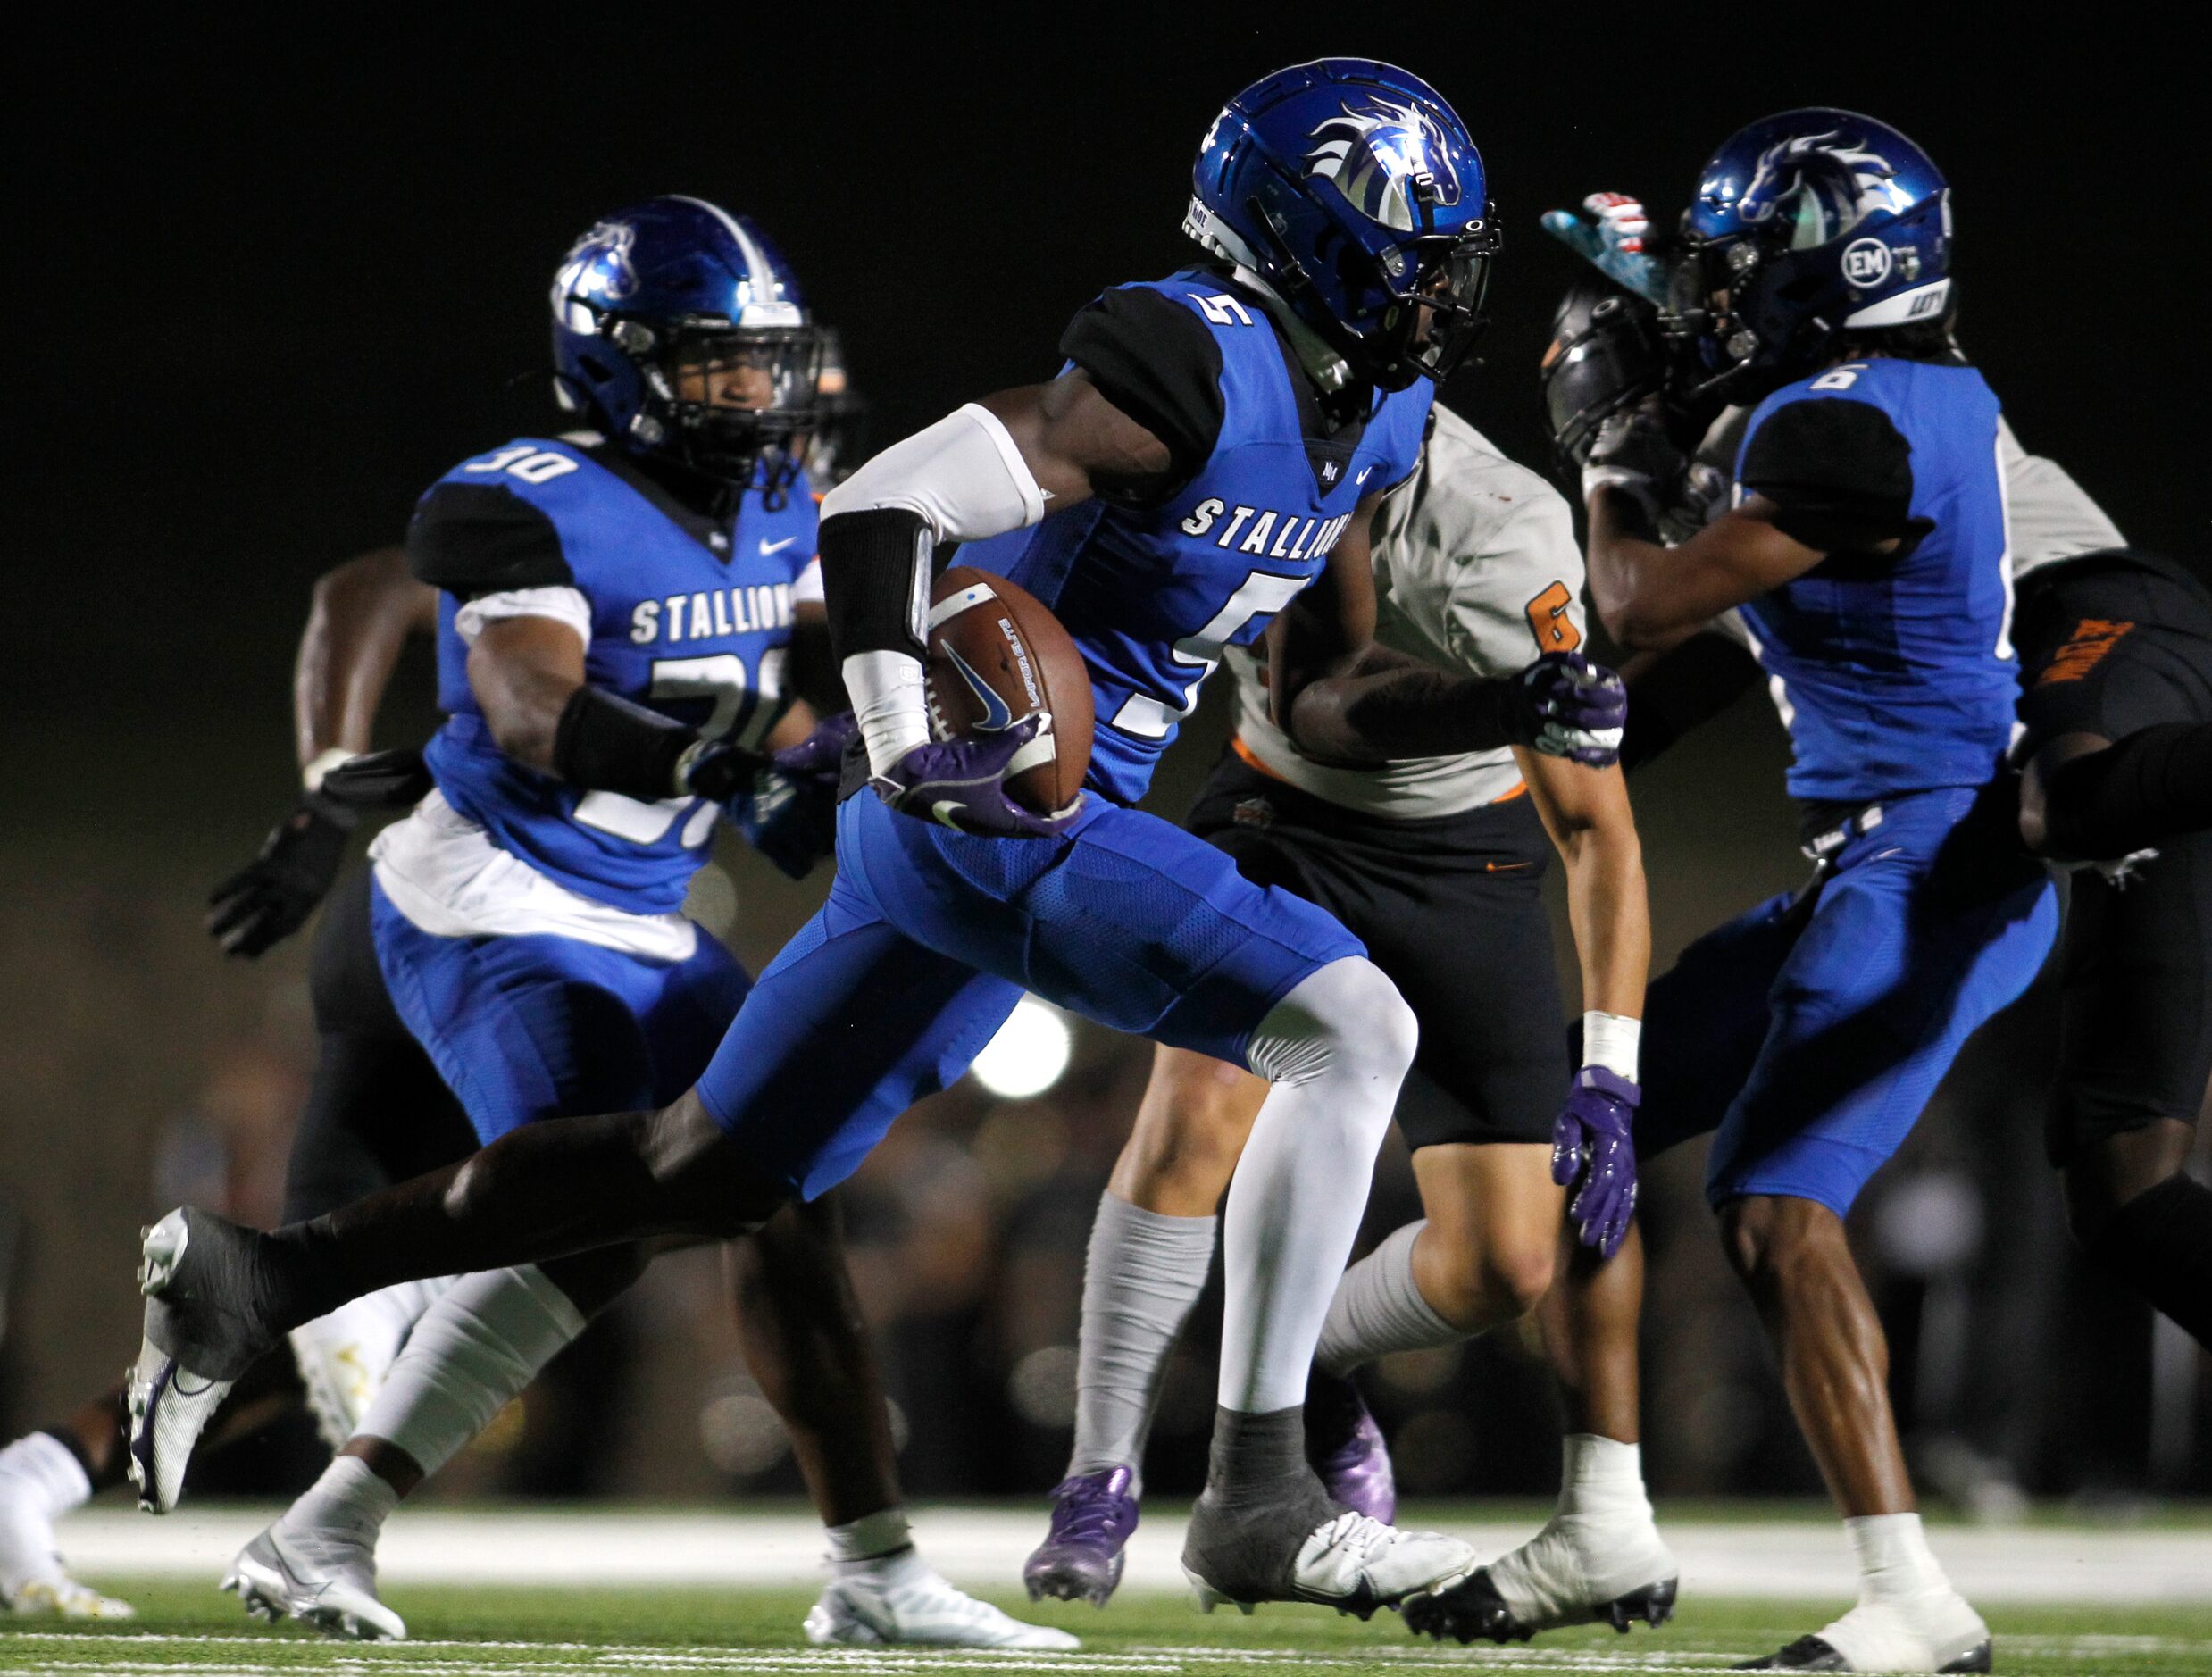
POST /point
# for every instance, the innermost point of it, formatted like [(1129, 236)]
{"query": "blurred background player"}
[(950, 896), (1864, 550), (519, 952), (1437, 863)]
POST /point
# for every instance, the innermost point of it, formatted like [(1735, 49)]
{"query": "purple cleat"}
[(1080, 1557), (1346, 1448)]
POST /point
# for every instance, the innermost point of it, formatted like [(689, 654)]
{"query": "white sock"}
[(1144, 1272), (1335, 1049), (878, 1545), (1601, 1478), (1894, 1559), (46, 1473), (348, 1501), (475, 1350), (1378, 1309)]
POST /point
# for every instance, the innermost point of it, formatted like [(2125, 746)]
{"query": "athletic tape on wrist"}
[(1612, 1041)]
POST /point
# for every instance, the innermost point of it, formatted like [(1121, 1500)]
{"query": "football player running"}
[(1863, 549), (1354, 186), (1436, 862), (516, 954)]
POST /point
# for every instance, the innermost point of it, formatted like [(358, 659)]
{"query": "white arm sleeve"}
[(963, 477), (562, 605)]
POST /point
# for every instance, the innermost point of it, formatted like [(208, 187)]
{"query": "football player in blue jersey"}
[(1864, 547), (1207, 464), (517, 953)]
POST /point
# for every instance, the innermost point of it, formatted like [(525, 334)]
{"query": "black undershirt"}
[(1839, 471), (1154, 358), (476, 538)]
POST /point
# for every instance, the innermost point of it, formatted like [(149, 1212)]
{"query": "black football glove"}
[(271, 897)]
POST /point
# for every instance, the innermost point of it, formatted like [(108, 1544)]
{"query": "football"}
[(996, 655)]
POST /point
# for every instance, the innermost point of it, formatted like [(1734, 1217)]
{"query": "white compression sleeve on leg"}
[(473, 1350), (1378, 1309), (1144, 1271), (1336, 1049)]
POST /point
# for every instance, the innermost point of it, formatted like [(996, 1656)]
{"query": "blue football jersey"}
[(696, 634), (1895, 672), (1152, 596)]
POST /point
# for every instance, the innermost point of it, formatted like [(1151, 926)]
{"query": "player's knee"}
[(1782, 1245), (1487, 1282), (1346, 1020)]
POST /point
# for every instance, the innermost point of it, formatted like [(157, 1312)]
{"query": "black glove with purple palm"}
[(1563, 705), (960, 783)]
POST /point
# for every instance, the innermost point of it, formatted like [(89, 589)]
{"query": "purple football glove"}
[(820, 758), (1566, 706), (961, 784), (1590, 1140)]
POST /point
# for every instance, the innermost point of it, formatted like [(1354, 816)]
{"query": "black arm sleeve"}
[(1686, 686), (2153, 784), (473, 538), (1840, 472), (875, 581), (1156, 362), (608, 744)]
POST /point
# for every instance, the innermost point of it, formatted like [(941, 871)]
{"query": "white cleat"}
[(908, 1605), (33, 1580), (1355, 1564), (1936, 1630), (170, 1408), (1578, 1569), (316, 1578)]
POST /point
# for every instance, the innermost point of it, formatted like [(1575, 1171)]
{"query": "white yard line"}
[(983, 1549)]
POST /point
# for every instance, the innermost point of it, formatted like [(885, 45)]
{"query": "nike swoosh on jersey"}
[(1502, 867), (767, 547)]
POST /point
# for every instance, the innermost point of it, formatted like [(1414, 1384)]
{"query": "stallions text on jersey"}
[(690, 616), (1153, 595)]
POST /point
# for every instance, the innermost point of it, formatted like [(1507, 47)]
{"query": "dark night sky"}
[(278, 283)]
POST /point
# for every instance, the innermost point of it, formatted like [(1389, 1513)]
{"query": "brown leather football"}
[(996, 655)]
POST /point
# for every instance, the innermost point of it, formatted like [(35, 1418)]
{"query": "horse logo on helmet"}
[(597, 270), (1383, 158), (1845, 182)]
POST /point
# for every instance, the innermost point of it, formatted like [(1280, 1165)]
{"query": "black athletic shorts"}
[(1452, 909), (376, 1112), (2109, 644)]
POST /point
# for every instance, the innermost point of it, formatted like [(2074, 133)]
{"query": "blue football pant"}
[(525, 1027), (1809, 1034), (930, 937)]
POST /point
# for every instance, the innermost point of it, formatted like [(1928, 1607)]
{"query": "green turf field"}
[(188, 1631)]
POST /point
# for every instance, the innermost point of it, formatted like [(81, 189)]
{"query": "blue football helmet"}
[(1807, 227), (676, 288), (1354, 190)]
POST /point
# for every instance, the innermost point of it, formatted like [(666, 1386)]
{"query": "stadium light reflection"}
[(1029, 1053)]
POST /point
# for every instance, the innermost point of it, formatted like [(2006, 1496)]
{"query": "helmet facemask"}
[(732, 402)]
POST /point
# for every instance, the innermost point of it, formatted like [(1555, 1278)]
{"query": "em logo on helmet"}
[(1866, 262), (1376, 157)]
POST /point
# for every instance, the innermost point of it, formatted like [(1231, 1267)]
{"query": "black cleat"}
[(1814, 1653), (203, 1292)]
